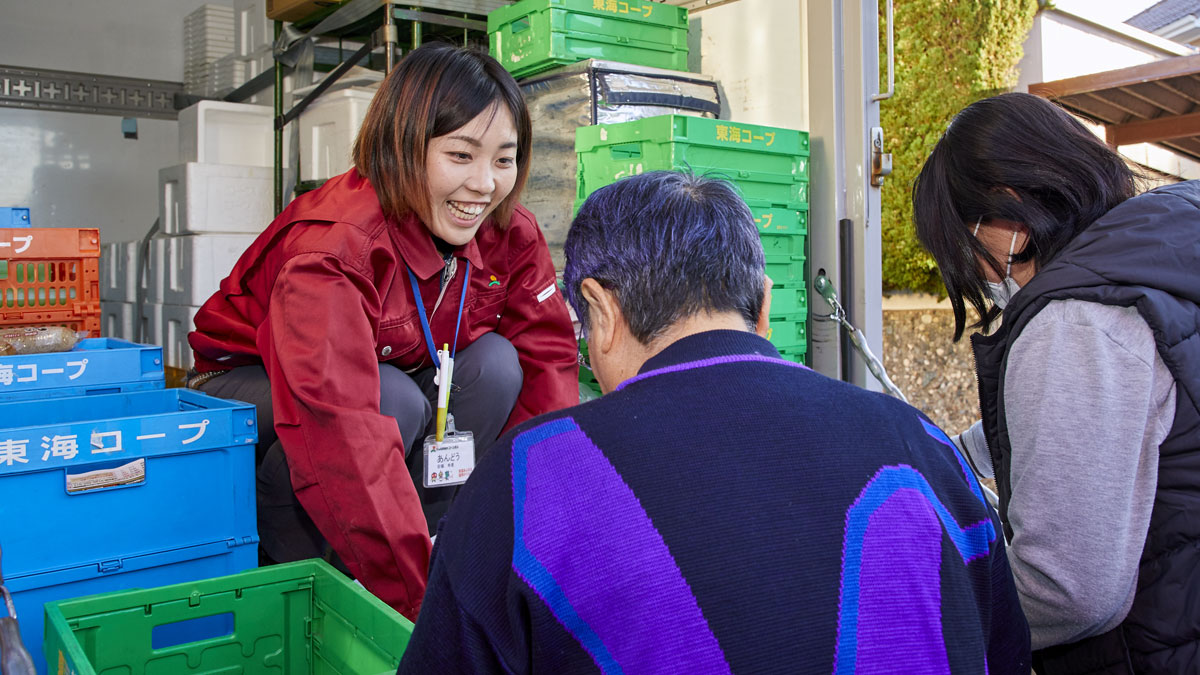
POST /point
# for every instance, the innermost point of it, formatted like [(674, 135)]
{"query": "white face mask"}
[(1002, 291)]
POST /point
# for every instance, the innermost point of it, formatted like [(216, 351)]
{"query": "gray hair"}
[(669, 245)]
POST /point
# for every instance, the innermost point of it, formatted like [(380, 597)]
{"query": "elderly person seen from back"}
[(719, 509)]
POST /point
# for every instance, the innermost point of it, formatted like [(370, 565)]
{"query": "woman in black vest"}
[(1089, 388)]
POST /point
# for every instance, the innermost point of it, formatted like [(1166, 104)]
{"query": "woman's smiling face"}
[(471, 170)]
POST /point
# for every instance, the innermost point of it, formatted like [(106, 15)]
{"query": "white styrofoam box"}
[(178, 321), (197, 263), (227, 133), (195, 198), (155, 281), (251, 28), (119, 271), (117, 320), (327, 132), (168, 326), (152, 325)]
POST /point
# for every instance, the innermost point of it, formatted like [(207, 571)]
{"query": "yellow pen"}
[(444, 375)]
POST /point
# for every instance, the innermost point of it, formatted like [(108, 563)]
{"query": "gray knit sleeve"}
[(1088, 400)]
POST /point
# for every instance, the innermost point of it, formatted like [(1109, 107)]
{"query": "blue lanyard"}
[(425, 321)]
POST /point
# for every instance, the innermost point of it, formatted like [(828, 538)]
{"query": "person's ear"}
[(603, 316), (763, 326)]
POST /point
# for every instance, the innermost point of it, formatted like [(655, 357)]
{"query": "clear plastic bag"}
[(38, 339)]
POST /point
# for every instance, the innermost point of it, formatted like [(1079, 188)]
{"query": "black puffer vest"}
[(1146, 254)]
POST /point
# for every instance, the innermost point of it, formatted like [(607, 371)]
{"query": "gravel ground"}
[(937, 375)]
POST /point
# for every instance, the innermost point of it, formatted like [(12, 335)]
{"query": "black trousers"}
[(487, 379)]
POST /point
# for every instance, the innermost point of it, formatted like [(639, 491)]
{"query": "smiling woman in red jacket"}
[(327, 321)]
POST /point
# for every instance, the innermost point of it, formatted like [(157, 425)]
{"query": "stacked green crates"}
[(531, 36), (768, 165)]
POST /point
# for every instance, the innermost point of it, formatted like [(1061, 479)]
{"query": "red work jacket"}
[(319, 299)]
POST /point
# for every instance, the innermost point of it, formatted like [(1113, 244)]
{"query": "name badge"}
[(451, 461)]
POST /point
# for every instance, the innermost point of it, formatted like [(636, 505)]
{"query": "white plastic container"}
[(117, 320), (196, 264), (118, 272), (197, 198), (327, 132), (215, 132)]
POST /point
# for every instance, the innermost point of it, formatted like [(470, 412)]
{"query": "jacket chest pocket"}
[(399, 339), (485, 309)]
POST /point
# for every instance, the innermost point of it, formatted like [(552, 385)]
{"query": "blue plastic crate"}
[(194, 484), (94, 366), (191, 563), (14, 216), (99, 486)]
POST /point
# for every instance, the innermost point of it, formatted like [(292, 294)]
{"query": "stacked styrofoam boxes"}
[(328, 128), (254, 36), (211, 208), (207, 37), (118, 289)]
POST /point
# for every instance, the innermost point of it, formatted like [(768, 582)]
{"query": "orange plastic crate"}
[(50, 276)]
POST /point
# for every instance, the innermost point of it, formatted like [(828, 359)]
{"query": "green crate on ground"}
[(531, 36), (789, 333), (780, 220), (769, 165), (295, 619), (789, 300)]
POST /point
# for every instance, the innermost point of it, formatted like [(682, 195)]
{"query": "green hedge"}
[(948, 54)]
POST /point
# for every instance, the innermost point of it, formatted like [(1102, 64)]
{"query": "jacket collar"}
[(416, 247)]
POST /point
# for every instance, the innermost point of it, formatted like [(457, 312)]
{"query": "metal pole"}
[(389, 38), (279, 127), (416, 33)]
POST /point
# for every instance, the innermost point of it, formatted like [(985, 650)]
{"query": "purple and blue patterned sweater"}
[(724, 511)]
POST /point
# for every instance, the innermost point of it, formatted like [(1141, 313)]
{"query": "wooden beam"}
[(1184, 86), (1156, 94), (1122, 77), (1096, 109), (1156, 130)]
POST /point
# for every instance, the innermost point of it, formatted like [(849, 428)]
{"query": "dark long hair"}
[(434, 90), (1014, 157)]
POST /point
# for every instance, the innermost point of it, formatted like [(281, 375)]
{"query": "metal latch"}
[(881, 162)]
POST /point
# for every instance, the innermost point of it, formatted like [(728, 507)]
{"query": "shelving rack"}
[(373, 25)]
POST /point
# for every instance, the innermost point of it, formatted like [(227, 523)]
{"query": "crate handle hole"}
[(520, 25), (168, 635)]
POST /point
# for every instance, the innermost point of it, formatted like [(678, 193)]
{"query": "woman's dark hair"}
[(434, 90), (1014, 157)]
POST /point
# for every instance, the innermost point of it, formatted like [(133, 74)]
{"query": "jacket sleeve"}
[(346, 459), (536, 322), (1083, 414)]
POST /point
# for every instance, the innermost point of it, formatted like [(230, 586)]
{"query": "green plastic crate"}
[(769, 165), (789, 300), (790, 334), (531, 36), (294, 619), (780, 220), (589, 388), (795, 354), (785, 270), (776, 246)]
